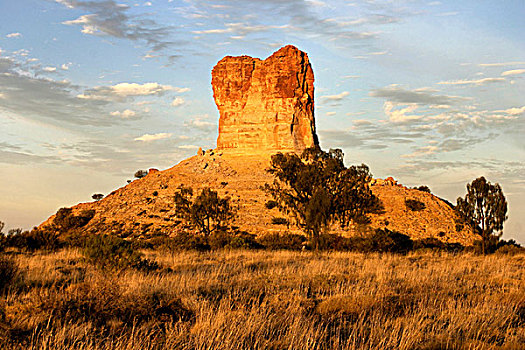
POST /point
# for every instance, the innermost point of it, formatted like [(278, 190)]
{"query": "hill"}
[(266, 106)]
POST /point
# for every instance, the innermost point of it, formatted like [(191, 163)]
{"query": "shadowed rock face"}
[(265, 106)]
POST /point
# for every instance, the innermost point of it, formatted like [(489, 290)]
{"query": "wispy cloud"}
[(241, 29), (125, 114), (512, 111), (337, 97), (153, 137), (45, 99), (122, 91), (513, 72), (200, 123), (400, 115), (473, 82), (177, 101), (14, 35), (49, 69), (109, 18), (501, 64), (398, 94)]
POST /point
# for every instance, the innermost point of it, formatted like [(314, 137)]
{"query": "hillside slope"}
[(145, 207)]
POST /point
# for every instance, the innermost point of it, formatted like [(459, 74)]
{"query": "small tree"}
[(317, 189), (485, 208), (207, 212), (97, 196), (139, 174)]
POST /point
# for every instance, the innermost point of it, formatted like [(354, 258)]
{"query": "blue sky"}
[(430, 92)]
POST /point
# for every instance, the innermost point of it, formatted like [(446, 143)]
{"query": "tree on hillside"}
[(317, 189), (97, 196), (207, 212), (485, 208), (139, 174)]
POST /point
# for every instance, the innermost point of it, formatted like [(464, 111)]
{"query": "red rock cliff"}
[(265, 105)]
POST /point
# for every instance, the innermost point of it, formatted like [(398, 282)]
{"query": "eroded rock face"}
[(267, 105)]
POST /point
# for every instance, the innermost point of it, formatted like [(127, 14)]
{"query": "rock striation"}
[(265, 106)]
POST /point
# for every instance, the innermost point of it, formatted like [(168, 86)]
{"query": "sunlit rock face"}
[(265, 106)]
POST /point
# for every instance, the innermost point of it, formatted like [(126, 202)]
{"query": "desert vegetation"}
[(316, 189), (260, 299)]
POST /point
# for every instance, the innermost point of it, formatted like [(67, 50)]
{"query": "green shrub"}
[(510, 247), (106, 304), (65, 220), (8, 272), (276, 241), (180, 241), (270, 204), (414, 204), (45, 238), (232, 240), (330, 241), (436, 244), (423, 188), (114, 253), (279, 221), (384, 240)]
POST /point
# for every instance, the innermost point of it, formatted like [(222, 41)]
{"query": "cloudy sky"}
[(430, 92)]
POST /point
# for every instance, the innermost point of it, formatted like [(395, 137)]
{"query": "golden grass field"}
[(267, 300)]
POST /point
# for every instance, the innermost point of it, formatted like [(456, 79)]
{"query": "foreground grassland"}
[(267, 300)]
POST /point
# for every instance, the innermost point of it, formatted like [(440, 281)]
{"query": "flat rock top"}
[(265, 106)]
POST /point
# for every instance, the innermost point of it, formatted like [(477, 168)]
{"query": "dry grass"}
[(268, 300)]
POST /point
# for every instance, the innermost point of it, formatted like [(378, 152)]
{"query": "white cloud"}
[(127, 113), (240, 28), (513, 72), (400, 115), (361, 122), (65, 66), (178, 101), (134, 89), (200, 122), (500, 64), (65, 3), (153, 137), (439, 106), (329, 114), (337, 97), (49, 69), (512, 111), (123, 90), (422, 151), (472, 82), (425, 95), (13, 35), (85, 20), (2, 95), (189, 147)]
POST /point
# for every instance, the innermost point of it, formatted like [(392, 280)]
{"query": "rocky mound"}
[(145, 207), (265, 107)]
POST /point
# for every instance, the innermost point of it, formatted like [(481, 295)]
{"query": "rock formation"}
[(265, 106)]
